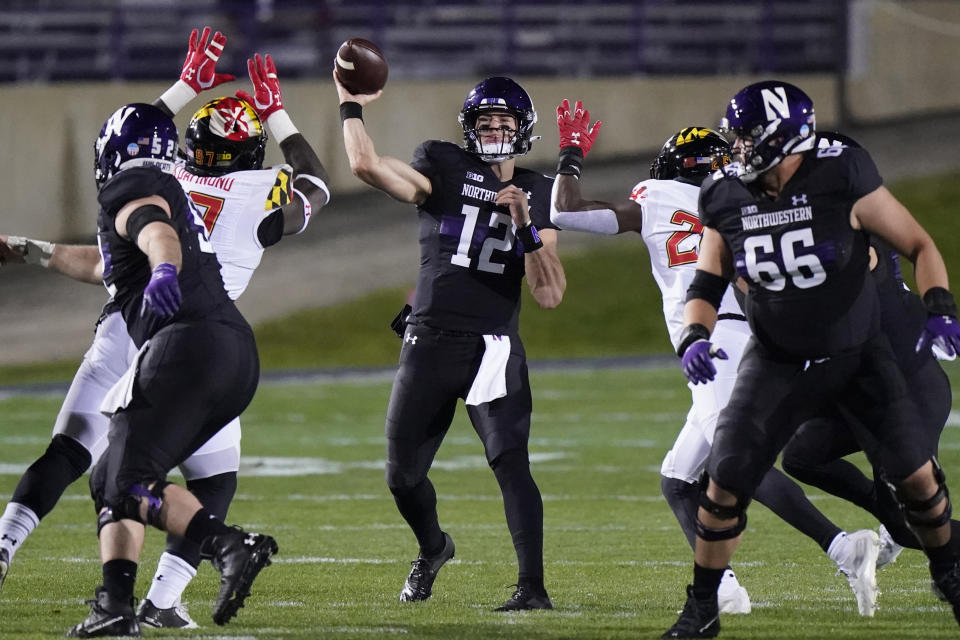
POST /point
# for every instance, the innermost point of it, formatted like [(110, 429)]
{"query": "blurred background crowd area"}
[(882, 70)]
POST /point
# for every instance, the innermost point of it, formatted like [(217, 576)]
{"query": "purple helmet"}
[(135, 135), (776, 117), (498, 94)]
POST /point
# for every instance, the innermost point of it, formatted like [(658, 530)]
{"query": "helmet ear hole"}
[(224, 135)]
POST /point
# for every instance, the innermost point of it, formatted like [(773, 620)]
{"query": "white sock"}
[(172, 577), (833, 551), (15, 525)]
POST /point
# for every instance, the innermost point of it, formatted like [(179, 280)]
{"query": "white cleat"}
[(856, 558), (889, 550), (731, 597)]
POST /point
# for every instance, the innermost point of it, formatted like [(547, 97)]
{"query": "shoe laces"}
[(421, 570)]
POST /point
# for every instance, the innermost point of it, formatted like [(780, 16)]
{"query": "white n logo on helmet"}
[(115, 123), (775, 99)]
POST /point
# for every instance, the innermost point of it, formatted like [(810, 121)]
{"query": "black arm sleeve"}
[(142, 216), (271, 229), (707, 286)]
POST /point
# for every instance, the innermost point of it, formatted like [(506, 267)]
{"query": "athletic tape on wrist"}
[(34, 251), (281, 126), (178, 96)]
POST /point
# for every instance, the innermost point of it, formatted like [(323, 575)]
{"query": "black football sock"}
[(119, 577), (706, 582), (524, 510), (203, 525), (683, 498), (785, 498)]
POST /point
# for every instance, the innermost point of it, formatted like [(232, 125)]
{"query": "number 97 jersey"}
[(471, 264), (806, 266)]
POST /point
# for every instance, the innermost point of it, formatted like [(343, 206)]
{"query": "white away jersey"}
[(232, 207), (671, 230)]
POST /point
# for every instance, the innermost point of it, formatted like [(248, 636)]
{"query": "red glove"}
[(199, 69), (575, 130), (266, 88)]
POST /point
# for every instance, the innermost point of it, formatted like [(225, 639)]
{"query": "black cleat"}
[(4, 565), (108, 617), (699, 619), (238, 556), (948, 586), (525, 598), (176, 617), (419, 584)]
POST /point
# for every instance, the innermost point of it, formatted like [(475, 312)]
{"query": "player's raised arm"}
[(392, 176), (568, 209), (310, 177), (198, 73)]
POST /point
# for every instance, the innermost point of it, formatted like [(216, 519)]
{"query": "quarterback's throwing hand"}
[(697, 361), (199, 69), (574, 127)]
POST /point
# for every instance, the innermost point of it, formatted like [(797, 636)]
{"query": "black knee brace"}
[(913, 510), (127, 507), (724, 512)]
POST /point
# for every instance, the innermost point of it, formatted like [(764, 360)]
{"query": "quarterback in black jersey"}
[(165, 278), (484, 223), (790, 220)]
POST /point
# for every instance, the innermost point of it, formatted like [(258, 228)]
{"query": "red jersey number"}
[(691, 222)]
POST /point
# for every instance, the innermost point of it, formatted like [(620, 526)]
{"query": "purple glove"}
[(696, 361), (162, 294), (943, 331)]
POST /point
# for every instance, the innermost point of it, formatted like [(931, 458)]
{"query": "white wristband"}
[(281, 126), (33, 251), (178, 96)]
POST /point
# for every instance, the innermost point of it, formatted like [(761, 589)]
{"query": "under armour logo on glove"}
[(266, 98), (199, 69), (697, 361), (575, 129), (942, 331), (162, 293)]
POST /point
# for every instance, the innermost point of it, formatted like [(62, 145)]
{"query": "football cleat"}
[(949, 586), (4, 565), (419, 584), (525, 598), (108, 617), (238, 556), (731, 596), (857, 560), (699, 619), (889, 550), (176, 617)]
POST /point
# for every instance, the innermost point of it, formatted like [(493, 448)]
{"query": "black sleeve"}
[(139, 182), (425, 161), (862, 173), (540, 204), (270, 230)]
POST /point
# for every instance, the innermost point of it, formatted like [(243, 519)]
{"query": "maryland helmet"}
[(134, 135), (498, 94), (691, 153), (774, 119), (224, 135)]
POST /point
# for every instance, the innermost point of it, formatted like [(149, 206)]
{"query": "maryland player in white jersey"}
[(664, 211), (245, 208)]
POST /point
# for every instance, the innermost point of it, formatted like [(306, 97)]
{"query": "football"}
[(360, 66)]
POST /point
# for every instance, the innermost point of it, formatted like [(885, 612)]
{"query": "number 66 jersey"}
[(810, 295)]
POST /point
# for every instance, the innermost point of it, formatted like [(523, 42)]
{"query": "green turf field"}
[(616, 561)]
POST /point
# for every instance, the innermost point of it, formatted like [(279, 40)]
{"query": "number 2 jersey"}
[(671, 230), (127, 271), (471, 265), (806, 265)]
